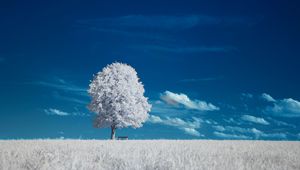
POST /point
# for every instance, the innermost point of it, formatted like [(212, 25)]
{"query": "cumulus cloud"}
[(57, 112), (267, 97), (189, 127), (254, 119), (182, 99), (283, 108)]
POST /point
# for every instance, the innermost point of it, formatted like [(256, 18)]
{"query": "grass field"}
[(148, 154)]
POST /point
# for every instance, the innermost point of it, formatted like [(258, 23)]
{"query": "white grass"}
[(150, 154)]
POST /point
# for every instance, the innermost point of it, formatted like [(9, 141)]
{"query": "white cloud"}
[(250, 131), (189, 127), (247, 95), (284, 108), (57, 112), (267, 97), (254, 119), (259, 134), (219, 128), (230, 136), (182, 99)]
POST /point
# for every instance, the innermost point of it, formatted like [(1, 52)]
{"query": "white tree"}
[(118, 98)]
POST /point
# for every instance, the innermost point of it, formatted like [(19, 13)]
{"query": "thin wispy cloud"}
[(163, 28), (192, 80), (151, 22), (58, 96), (57, 112), (230, 136), (62, 85), (161, 22), (254, 119), (283, 108), (281, 123), (181, 49), (242, 132), (188, 127), (175, 99)]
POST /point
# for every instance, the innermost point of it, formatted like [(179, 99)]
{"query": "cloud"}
[(267, 97), (247, 95), (283, 108), (181, 49), (189, 127), (158, 22), (248, 131), (259, 134), (57, 112), (199, 79), (230, 136), (281, 123), (219, 128), (58, 96), (61, 84), (2, 59), (161, 22), (254, 119), (233, 121), (182, 99)]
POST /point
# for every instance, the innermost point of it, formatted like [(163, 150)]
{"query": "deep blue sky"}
[(224, 53)]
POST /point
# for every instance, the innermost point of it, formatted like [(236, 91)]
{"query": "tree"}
[(118, 98)]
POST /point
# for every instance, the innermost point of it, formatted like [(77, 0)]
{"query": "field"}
[(148, 154)]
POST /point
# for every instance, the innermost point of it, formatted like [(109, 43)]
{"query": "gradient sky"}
[(211, 69)]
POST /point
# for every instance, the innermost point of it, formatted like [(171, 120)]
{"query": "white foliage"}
[(118, 97)]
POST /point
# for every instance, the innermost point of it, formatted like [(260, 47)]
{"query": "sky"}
[(211, 69)]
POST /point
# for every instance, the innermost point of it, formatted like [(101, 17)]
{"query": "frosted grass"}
[(148, 154)]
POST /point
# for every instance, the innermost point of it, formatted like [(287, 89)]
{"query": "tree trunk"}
[(113, 133)]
